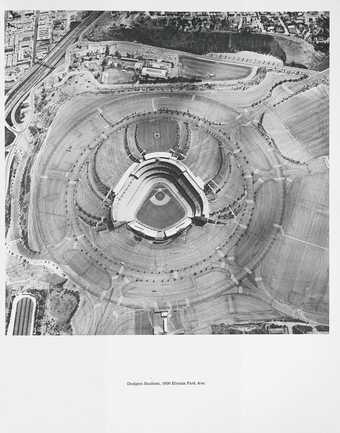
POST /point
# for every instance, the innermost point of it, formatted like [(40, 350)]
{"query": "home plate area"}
[(161, 208)]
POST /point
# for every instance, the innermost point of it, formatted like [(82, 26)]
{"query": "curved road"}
[(39, 71)]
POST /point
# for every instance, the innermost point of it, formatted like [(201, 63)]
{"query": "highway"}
[(39, 71)]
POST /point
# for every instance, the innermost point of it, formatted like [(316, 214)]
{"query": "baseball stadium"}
[(191, 208)]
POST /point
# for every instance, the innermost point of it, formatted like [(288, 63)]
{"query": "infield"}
[(161, 209)]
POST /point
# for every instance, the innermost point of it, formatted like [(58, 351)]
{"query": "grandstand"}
[(158, 197)]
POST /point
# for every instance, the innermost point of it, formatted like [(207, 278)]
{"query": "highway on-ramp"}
[(40, 71)]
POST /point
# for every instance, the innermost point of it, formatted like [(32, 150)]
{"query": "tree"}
[(33, 130)]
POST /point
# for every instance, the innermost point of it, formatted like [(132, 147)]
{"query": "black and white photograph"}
[(167, 172)]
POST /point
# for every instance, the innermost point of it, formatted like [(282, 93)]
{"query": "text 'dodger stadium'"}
[(166, 173)]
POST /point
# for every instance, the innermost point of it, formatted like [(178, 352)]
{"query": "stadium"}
[(175, 210), (166, 200)]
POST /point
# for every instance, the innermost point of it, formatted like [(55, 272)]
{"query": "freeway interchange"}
[(39, 71)]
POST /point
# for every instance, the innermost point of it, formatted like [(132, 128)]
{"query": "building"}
[(155, 73)]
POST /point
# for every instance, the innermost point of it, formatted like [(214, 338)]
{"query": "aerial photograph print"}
[(167, 173)]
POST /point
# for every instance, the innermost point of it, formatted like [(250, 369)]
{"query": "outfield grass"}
[(157, 135)]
